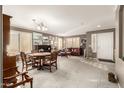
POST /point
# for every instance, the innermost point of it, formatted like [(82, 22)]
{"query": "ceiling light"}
[(43, 28), (98, 25), (38, 28), (46, 28), (40, 25)]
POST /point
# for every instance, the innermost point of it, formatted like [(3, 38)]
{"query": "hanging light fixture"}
[(40, 26)]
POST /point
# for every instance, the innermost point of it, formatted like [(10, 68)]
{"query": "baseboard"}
[(107, 60)]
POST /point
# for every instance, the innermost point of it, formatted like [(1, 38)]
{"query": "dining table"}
[(40, 56)]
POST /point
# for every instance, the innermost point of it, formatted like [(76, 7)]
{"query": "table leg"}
[(40, 66)]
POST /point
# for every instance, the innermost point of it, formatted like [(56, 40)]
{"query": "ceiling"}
[(63, 20)]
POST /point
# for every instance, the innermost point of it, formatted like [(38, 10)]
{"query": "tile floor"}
[(74, 72)]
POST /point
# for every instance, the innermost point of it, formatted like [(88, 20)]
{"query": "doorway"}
[(105, 46)]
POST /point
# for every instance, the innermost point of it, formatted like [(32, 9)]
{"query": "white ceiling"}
[(63, 20)]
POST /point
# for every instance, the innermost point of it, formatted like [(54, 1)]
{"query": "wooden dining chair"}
[(34, 51), (51, 61), (14, 80), (26, 61), (35, 60)]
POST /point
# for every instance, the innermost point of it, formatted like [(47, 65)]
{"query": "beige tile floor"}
[(74, 72)]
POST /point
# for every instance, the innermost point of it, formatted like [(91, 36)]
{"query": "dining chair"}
[(35, 60), (51, 61), (26, 61), (17, 79), (34, 51)]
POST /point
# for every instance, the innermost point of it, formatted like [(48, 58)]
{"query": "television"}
[(43, 48)]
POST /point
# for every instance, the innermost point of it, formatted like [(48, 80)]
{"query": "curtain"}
[(59, 43), (25, 42), (13, 47), (72, 42)]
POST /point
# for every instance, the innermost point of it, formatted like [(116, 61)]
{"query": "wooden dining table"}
[(40, 55)]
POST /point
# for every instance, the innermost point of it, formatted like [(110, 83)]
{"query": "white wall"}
[(119, 66)]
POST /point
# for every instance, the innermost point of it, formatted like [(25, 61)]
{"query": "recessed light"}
[(98, 25)]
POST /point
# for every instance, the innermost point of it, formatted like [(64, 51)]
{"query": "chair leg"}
[(33, 64), (31, 83), (50, 69), (22, 80), (26, 67), (23, 68), (37, 64), (56, 65)]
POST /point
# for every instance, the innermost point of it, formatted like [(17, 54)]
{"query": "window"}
[(25, 42), (72, 42), (93, 42), (59, 43), (13, 46), (68, 42), (51, 39), (76, 42), (55, 42), (19, 41)]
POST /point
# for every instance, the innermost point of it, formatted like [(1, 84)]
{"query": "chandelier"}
[(40, 25)]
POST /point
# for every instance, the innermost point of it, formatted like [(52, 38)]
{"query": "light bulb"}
[(46, 28), (38, 28), (43, 28)]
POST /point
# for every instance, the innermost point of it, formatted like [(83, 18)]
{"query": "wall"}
[(1, 45), (88, 44), (119, 66)]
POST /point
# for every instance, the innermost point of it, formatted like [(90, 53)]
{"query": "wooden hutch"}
[(8, 59)]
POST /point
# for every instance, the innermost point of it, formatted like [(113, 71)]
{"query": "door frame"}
[(89, 34), (113, 33)]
